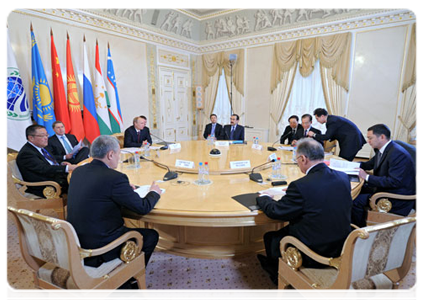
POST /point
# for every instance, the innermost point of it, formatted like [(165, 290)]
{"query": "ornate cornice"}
[(133, 30)]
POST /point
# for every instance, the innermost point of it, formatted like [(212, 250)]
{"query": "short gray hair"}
[(310, 148), (102, 145)]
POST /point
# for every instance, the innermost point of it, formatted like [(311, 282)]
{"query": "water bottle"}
[(209, 140), (212, 136), (200, 173), (137, 160), (206, 173), (257, 141), (274, 169), (294, 154), (147, 150), (254, 140), (278, 168)]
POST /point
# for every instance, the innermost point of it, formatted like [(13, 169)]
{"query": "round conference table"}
[(203, 220)]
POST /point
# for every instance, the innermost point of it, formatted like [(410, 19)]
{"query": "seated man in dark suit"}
[(393, 172), (136, 134), (293, 131), (317, 206), (36, 164), (97, 194), (61, 145), (234, 131), (346, 132), (213, 128), (306, 121)]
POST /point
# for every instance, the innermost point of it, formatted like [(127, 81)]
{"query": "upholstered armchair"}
[(372, 257), (18, 197), (51, 249)]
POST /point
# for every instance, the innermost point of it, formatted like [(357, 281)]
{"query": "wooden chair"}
[(372, 257), (51, 249), (120, 138), (16, 191), (380, 207)]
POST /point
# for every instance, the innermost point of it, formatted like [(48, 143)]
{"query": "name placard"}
[(257, 146), (221, 143), (241, 164), (272, 156), (174, 146), (184, 164)]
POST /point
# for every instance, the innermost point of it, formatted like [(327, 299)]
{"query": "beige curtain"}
[(407, 117), (284, 58), (209, 99)]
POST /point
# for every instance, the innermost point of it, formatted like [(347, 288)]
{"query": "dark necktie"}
[(231, 137), (378, 159), (305, 132), (48, 156), (139, 135)]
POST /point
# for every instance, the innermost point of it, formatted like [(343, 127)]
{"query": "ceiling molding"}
[(109, 25), (204, 14)]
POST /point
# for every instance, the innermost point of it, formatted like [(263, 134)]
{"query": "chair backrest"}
[(120, 138), (409, 148), (378, 249)]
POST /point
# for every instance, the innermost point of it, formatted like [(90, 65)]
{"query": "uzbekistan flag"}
[(90, 116), (73, 99), (100, 96), (43, 112), (60, 105), (114, 109)]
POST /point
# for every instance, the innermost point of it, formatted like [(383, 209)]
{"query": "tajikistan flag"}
[(114, 109), (100, 96)]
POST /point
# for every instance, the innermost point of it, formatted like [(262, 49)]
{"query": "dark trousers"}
[(359, 210), (150, 239), (80, 156), (272, 241)]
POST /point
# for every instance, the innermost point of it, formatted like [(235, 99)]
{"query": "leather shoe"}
[(267, 266)]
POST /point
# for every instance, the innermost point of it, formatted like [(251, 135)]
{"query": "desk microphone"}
[(272, 148), (257, 176), (169, 175), (165, 147)]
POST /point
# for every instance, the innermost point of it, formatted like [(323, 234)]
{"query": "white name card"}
[(272, 156), (257, 146), (241, 164), (174, 146), (184, 164), (221, 143)]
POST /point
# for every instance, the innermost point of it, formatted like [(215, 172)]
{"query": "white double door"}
[(175, 87)]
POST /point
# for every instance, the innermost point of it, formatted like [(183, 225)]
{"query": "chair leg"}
[(282, 283), (140, 277)]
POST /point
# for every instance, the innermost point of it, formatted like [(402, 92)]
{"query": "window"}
[(306, 96), (222, 106)]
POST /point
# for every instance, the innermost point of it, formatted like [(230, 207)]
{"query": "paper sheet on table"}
[(77, 147), (288, 148), (348, 167), (144, 189), (154, 147), (131, 150), (276, 192)]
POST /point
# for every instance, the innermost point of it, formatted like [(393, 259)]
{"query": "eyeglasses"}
[(40, 135)]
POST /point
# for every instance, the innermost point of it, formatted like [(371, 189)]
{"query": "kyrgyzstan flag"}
[(73, 99), (59, 95)]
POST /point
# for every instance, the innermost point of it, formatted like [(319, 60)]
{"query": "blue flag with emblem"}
[(42, 100)]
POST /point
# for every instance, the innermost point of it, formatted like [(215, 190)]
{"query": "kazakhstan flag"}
[(42, 100)]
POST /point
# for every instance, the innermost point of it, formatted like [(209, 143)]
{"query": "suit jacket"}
[(56, 148), (131, 137), (318, 208), (95, 199), (217, 130), (346, 132), (34, 167), (238, 134), (286, 134)]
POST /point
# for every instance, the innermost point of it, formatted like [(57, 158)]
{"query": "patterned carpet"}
[(166, 271)]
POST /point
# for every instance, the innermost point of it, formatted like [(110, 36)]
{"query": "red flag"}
[(59, 95), (73, 99)]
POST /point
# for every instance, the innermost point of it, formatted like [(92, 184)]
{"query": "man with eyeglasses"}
[(36, 164), (317, 206)]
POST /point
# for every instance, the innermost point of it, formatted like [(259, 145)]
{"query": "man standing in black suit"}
[(293, 131), (393, 172), (346, 132), (306, 121), (136, 134), (317, 206), (97, 194), (36, 163), (61, 145), (213, 128), (234, 131)]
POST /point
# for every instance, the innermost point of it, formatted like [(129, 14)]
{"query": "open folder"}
[(248, 200)]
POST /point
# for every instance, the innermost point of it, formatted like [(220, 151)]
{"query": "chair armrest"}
[(354, 226), (47, 191), (84, 253), (386, 205), (290, 240)]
